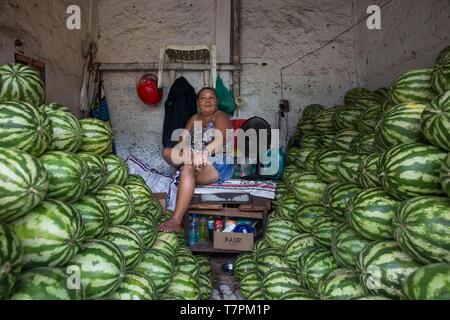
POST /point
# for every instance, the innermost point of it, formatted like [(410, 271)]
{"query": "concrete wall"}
[(412, 34), (41, 24)]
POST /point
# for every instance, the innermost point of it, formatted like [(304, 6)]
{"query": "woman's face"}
[(207, 102)]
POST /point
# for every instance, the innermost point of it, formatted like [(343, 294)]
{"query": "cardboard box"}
[(233, 241)]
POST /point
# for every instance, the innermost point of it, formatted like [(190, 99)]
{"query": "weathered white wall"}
[(412, 34)]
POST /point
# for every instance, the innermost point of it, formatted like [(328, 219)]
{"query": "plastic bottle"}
[(203, 230), (211, 229), (197, 228), (192, 230)]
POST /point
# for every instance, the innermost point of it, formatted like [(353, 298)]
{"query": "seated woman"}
[(197, 166)]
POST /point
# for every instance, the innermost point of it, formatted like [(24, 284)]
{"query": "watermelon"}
[(97, 137), (326, 140), (323, 123), (312, 110), (256, 295), (343, 139), (117, 170), (383, 268), (368, 171), (430, 282), (145, 228), (68, 176), (10, 260), (400, 125), (267, 260), (310, 141), (158, 267), (371, 100), (307, 214), (250, 283), (101, 266), (142, 196), (299, 294), (298, 246), (347, 117), (188, 264), (135, 178), (23, 183), (346, 245), (292, 156), (19, 82), (445, 175), (435, 121), (411, 170), (50, 235), (302, 155), (119, 202), (336, 198), (288, 206), (24, 127), (305, 125), (260, 245), (67, 132), (347, 168), (440, 78), (370, 297), (340, 284), (364, 144), (292, 179), (128, 241), (204, 265), (94, 214), (313, 265), (98, 171), (156, 210), (46, 284), (326, 164), (309, 188), (387, 105), (53, 106), (413, 87), (279, 281), (421, 227), (382, 93), (243, 264), (183, 286), (164, 296), (183, 249), (167, 243), (322, 229), (135, 286), (370, 214), (206, 287), (281, 190), (354, 94), (279, 232)]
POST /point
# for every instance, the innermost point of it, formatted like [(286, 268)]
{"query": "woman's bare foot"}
[(171, 225)]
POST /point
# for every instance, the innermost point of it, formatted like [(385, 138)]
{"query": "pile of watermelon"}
[(363, 211), (74, 224)]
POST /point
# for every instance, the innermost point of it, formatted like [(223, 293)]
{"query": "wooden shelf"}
[(208, 247), (229, 212)]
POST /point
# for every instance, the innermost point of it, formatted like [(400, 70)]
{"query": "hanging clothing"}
[(180, 106)]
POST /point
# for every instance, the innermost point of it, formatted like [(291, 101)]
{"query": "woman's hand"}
[(200, 160)]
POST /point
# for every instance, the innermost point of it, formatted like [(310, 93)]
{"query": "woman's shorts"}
[(225, 171)]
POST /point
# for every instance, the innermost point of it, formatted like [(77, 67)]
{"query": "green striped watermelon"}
[(309, 188), (340, 284), (279, 281), (347, 168), (311, 159), (281, 190), (368, 171), (67, 132), (312, 110), (292, 179), (101, 266), (411, 170), (430, 282), (260, 245), (292, 156), (256, 295), (204, 265), (336, 198), (383, 268), (135, 178), (206, 286), (298, 246), (435, 121), (156, 210), (68, 176), (142, 196), (21, 83), (117, 170), (370, 214), (50, 234), (128, 241), (422, 228), (97, 137), (23, 183), (346, 118), (164, 296), (243, 264), (346, 246), (310, 141), (400, 125), (387, 105), (371, 297), (10, 260), (299, 294), (53, 106), (279, 232), (413, 87), (445, 175), (307, 214), (323, 123), (158, 267), (322, 229), (326, 141), (167, 243), (183, 286), (135, 286), (46, 284), (183, 249), (364, 144), (269, 259), (250, 283), (354, 94), (326, 164), (343, 139), (371, 100), (188, 264), (440, 78), (98, 171), (145, 228), (24, 127), (302, 155), (94, 214), (119, 202), (382, 93), (305, 125), (288, 206), (313, 265)]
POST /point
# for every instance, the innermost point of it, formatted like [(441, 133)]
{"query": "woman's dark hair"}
[(206, 88)]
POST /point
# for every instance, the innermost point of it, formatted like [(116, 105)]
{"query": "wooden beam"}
[(153, 66), (236, 46)]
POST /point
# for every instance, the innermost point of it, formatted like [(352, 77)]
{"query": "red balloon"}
[(147, 89)]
